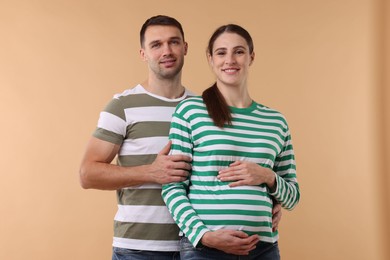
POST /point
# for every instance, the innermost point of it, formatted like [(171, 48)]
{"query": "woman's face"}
[(230, 59)]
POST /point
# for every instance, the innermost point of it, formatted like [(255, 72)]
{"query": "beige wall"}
[(322, 63), (386, 115)]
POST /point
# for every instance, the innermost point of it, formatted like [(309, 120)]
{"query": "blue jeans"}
[(263, 251), (129, 254)]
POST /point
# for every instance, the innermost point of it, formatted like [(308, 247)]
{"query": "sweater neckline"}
[(245, 110)]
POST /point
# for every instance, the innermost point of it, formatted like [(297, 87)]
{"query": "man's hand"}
[(276, 216), (169, 168), (230, 241)]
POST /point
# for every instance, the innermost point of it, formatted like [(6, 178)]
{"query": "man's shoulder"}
[(136, 97), (138, 89)]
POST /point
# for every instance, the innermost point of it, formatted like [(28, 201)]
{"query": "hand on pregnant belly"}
[(247, 173), (230, 241)]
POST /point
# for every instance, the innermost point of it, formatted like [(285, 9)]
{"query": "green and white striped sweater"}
[(204, 203)]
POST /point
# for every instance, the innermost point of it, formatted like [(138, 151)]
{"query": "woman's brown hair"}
[(216, 104)]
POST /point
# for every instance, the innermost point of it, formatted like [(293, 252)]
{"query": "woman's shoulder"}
[(270, 112), (191, 100), (193, 103), (267, 109)]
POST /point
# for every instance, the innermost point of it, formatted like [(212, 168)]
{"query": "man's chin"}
[(170, 74)]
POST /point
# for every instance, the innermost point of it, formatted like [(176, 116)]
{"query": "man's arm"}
[(97, 172), (276, 216)]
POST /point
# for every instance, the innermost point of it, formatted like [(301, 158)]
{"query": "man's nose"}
[(167, 49)]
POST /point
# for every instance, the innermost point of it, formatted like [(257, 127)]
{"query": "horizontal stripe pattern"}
[(141, 244), (151, 113), (141, 195), (257, 134), (139, 122), (143, 214), (158, 232), (140, 146)]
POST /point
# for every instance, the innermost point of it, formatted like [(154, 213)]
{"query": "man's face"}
[(164, 51)]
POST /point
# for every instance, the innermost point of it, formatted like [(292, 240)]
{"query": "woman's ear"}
[(210, 59), (252, 58)]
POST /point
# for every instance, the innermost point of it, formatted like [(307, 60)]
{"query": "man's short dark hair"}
[(159, 20)]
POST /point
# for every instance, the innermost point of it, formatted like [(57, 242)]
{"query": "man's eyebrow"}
[(154, 42), (176, 38), (170, 39)]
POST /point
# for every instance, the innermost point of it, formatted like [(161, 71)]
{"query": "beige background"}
[(323, 63)]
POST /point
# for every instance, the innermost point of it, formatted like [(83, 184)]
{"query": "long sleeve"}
[(287, 189), (175, 197), (175, 194)]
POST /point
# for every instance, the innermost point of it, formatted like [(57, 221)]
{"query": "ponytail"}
[(217, 107)]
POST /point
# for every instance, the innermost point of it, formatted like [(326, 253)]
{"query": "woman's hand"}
[(230, 241), (247, 173)]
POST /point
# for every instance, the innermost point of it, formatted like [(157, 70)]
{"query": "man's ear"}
[(185, 48), (142, 54)]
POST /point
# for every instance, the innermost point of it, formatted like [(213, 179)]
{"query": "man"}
[(134, 126)]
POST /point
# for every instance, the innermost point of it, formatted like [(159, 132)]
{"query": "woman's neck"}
[(236, 96)]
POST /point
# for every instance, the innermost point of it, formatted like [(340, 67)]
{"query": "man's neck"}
[(171, 89)]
